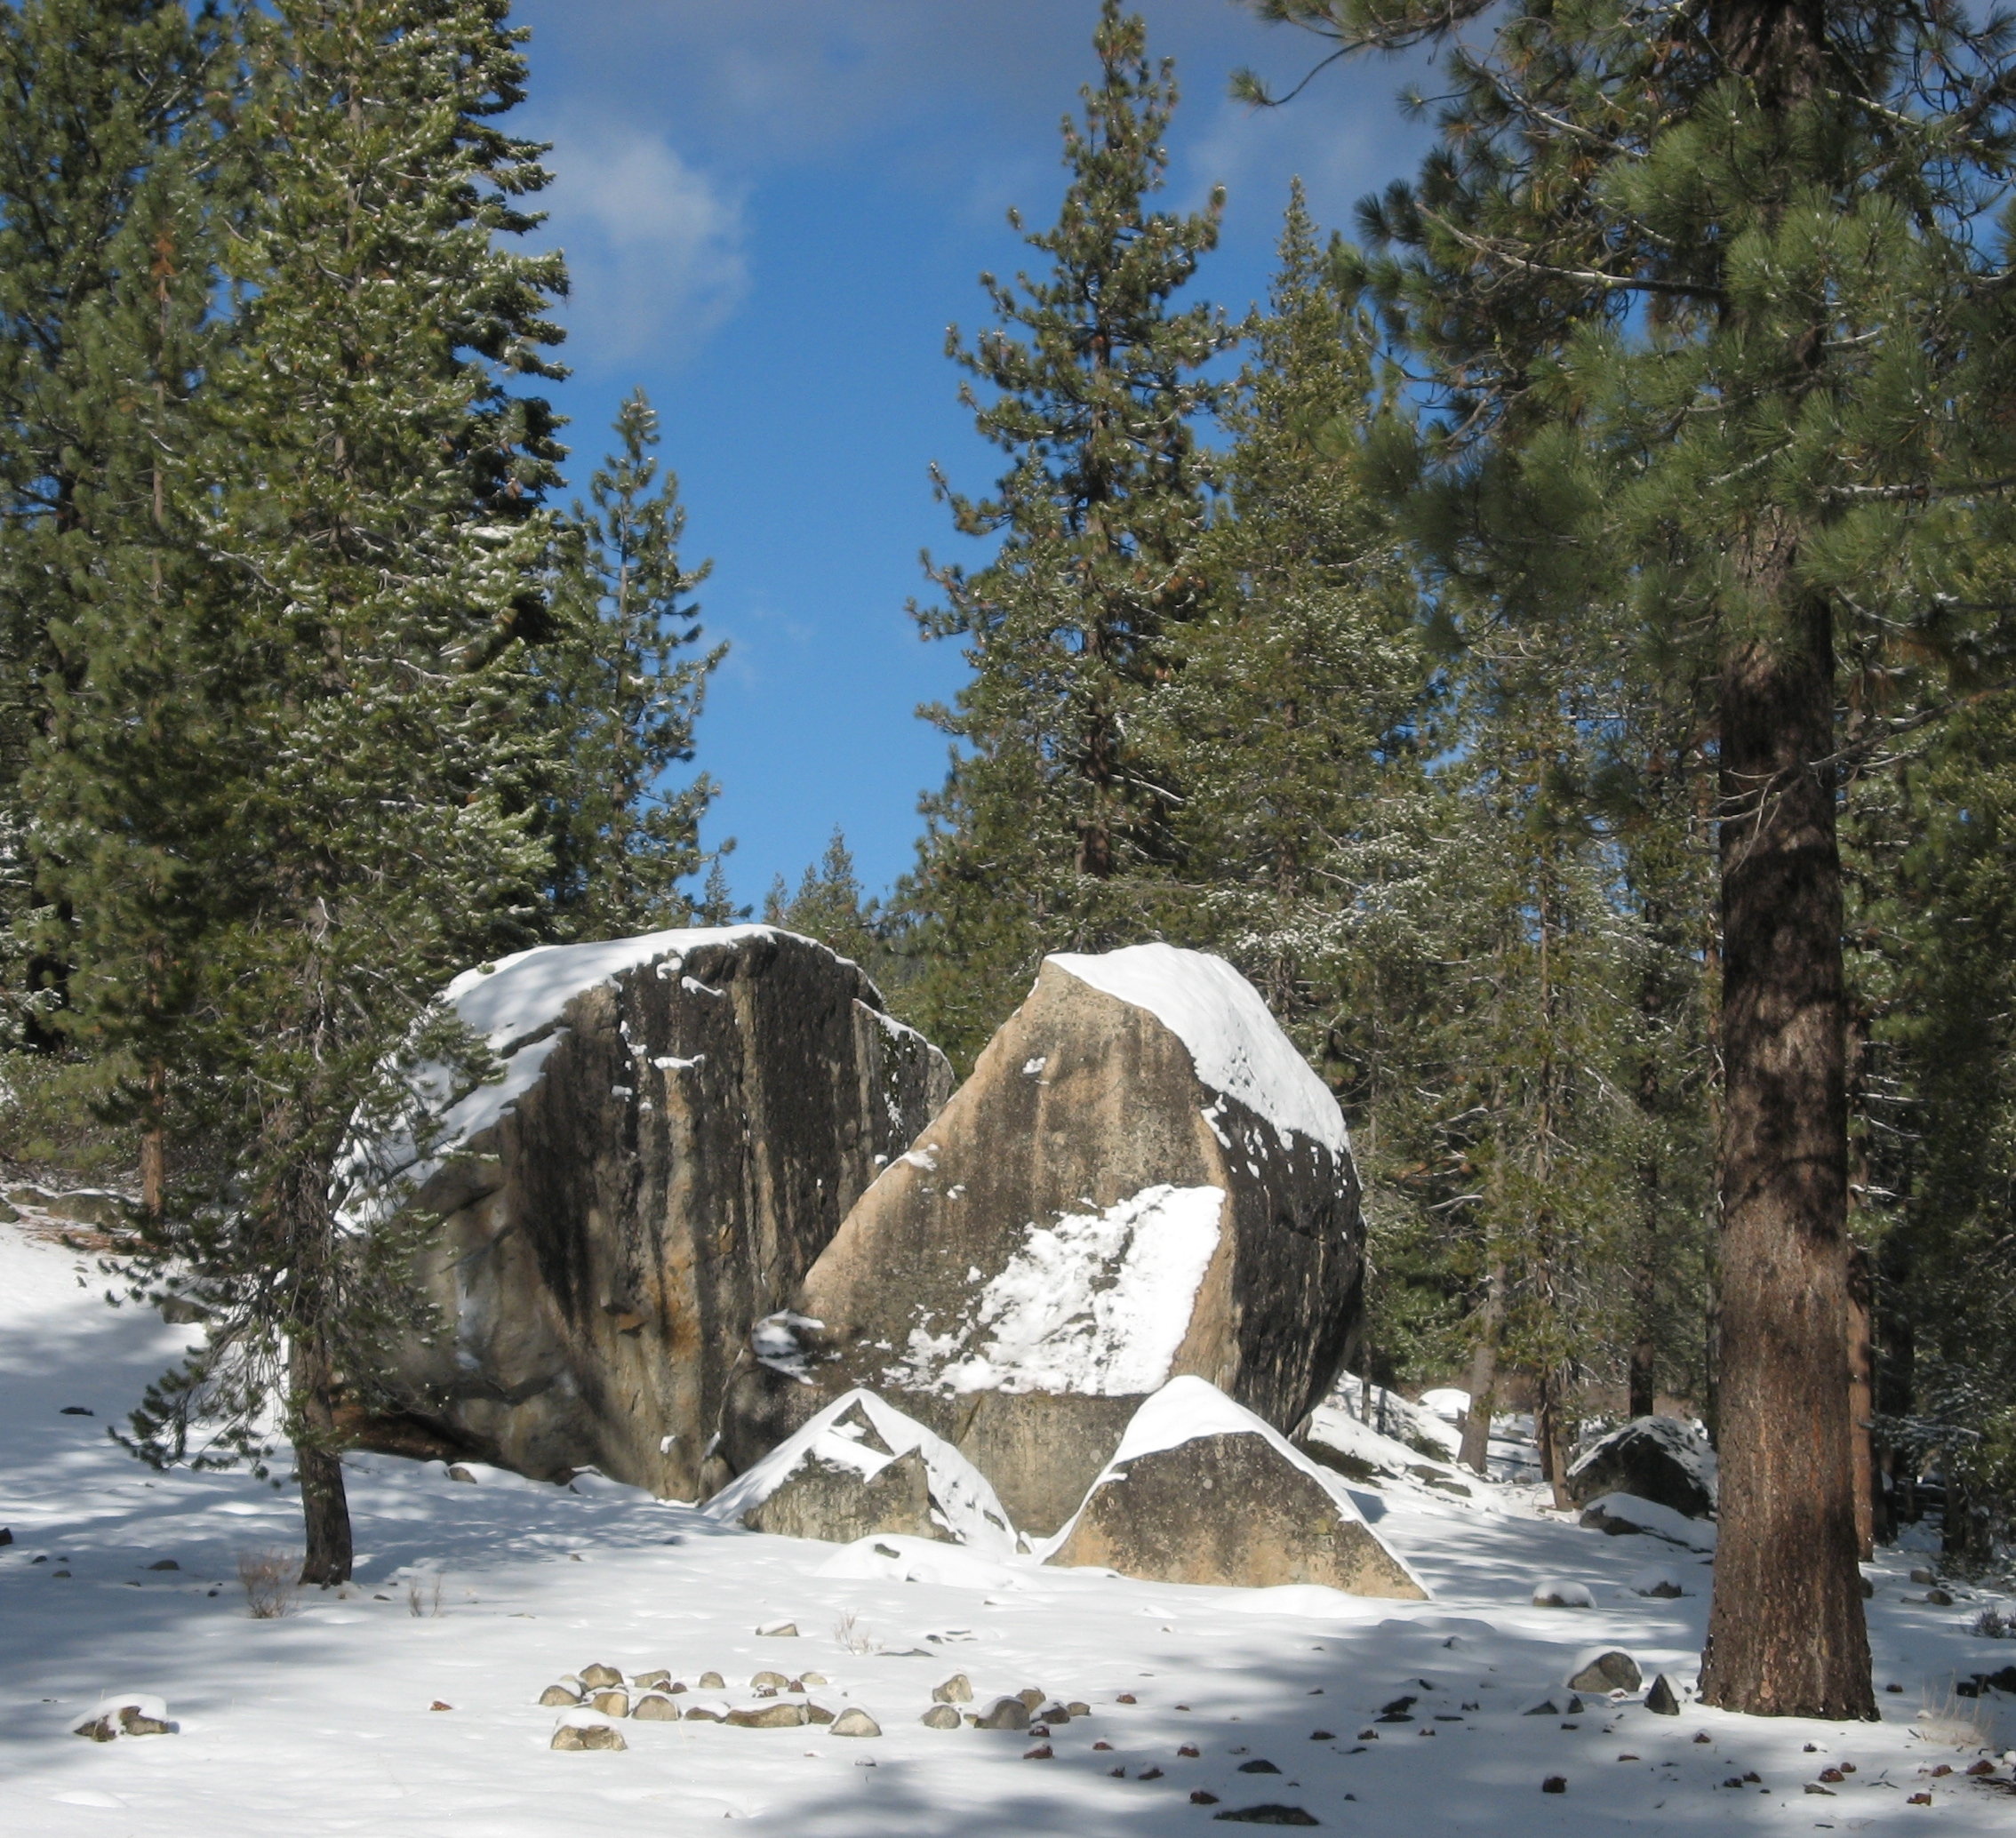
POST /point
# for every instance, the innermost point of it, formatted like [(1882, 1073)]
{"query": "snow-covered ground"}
[(476, 1597)]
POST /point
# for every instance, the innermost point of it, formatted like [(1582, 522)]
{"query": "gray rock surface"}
[(1658, 1458), (677, 1139), (1131, 1186)]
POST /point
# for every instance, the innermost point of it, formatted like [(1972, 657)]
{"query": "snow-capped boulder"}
[(1203, 1492), (1339, 1441), (1658, 1458), (862, 1466), (1620, 1514), (1142, 1179), (682, 1121)]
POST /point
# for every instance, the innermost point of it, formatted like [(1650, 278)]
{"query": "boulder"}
[(861, 1468), (1203, 1492), (1658, 1458), (940, 1716), (1611, 1670), (1621, 1514), (682, 1121), (1141, 1180)]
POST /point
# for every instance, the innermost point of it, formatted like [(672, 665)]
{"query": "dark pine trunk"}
[(1785, 1631), (325, 1507)]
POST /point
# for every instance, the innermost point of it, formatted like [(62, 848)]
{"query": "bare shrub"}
[(1992, 1624), (853, 1637), (270, 1579), (1960, 1722), (423, 1603)]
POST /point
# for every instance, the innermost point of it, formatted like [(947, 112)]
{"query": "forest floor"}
[(408, 1702)]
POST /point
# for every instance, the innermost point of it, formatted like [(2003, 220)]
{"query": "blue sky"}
[(773, 209)]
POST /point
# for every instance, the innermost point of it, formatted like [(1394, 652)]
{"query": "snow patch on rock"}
[(1096, 1303), (1235, 1044)]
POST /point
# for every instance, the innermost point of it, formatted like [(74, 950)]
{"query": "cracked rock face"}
[(676, 1141), (1142, 1179)]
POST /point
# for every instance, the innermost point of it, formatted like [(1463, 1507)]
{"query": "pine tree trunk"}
[(325, 1507), (1786, 1631), (1475, 1452), (1862, 1399)]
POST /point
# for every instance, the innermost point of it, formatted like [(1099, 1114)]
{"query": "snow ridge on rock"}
[(1237, 1046)]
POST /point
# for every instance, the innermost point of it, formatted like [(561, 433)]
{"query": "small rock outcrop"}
[(1202, 1492), (1142, 1179), (682, 1121), (862, 1466), (1658, 1458)]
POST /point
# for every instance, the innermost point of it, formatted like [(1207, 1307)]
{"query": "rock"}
[(136, 1714), (957, 1690), (859, 1468), (1269, 1814), (706, 1714), (579, 1737), (1142, 1179), (614, 1703), (712, 1681), (556, 1697), (6, 1535), (656, 1681), (458, 1473), (818, 1714), (1611, 1671), (28, 1196), (655, 1707), (1660, 1700), (940, 1716), (1658, 1458), (1923, 1577), (1203, 1492), (1555, 1784), (596, 1677), (1563, 1595), (855, 1721), (683, 1121), (778, 1630), (776, 1681), (786, 1713), (1031, 1696), (91, 1206), (1003, 1714), (1622, 1513), (814, 1678), (1658, 1581), (1939, 1598), (164, 1563)]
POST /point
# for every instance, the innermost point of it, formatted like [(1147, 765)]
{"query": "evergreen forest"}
[(1560, 647)]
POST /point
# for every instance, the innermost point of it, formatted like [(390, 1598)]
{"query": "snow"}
[(1236, 1045), (318, 1724), (1095, 1303), (1447, 1403), (1394, 1416), (973, 1514), (1399, 1464)]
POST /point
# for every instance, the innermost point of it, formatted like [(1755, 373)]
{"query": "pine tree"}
[(1055, 818), (1716, 324), (108, 187), (626, 698), (378, 546), (831, 907)]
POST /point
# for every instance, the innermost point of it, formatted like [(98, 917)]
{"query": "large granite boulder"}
[(683, 1121), (1141, 1178), (1658, 1458), (862, 1466), (1201, 1492)]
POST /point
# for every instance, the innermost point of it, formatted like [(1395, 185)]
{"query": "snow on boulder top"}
[(517, 997), (1236, 1045), (972, 1513)]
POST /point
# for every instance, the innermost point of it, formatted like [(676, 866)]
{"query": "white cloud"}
[(654, 246)]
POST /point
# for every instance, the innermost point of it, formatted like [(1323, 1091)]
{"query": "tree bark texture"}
[(1475, 1451), (325, 1507), (1861, 1398), (1786, 1631)]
